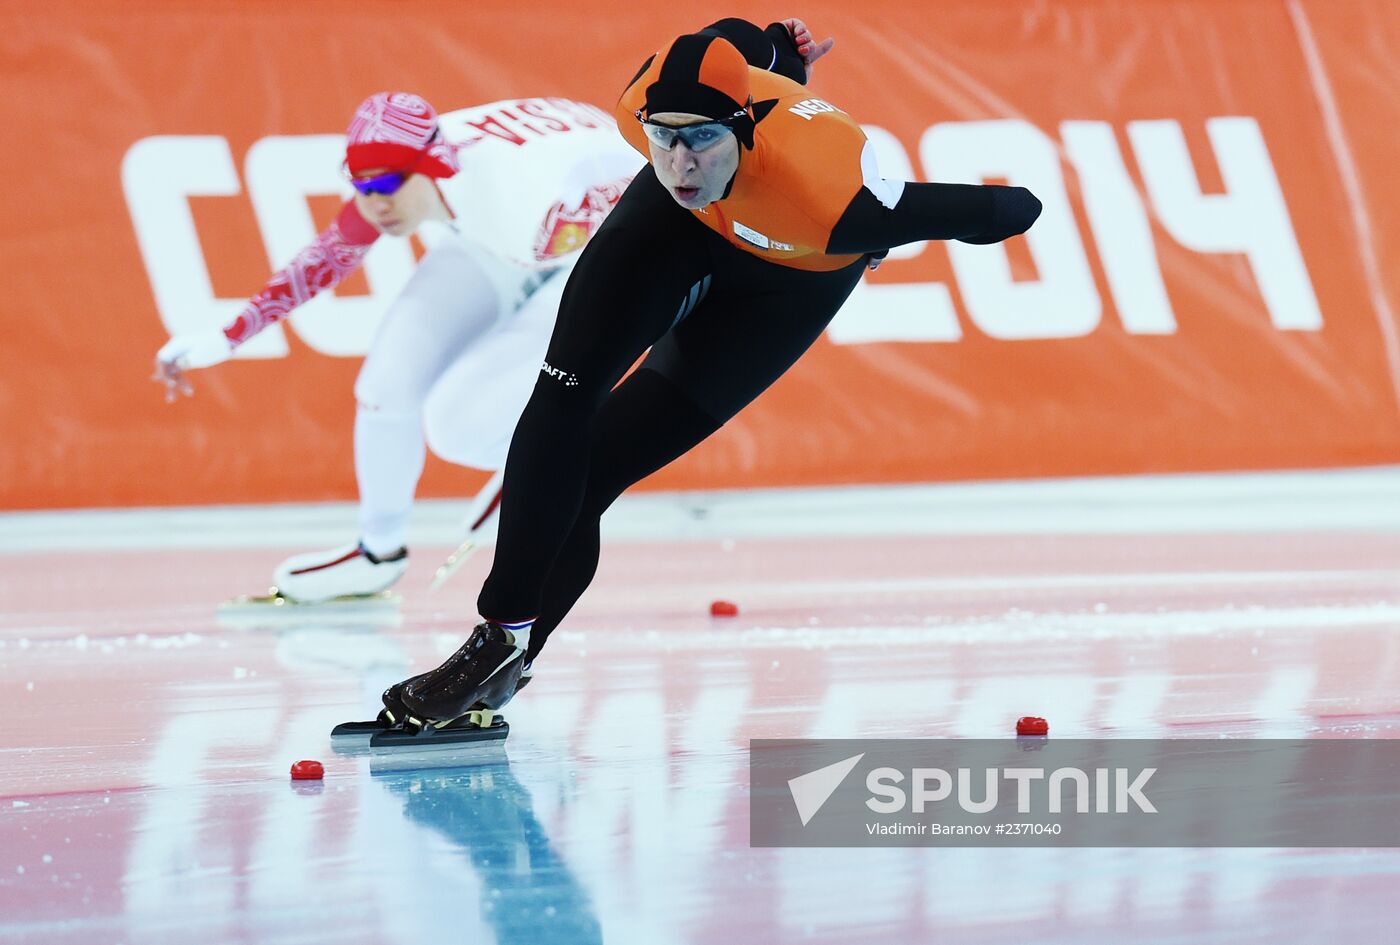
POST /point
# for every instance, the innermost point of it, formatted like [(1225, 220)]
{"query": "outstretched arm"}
[(334, 254), (971, 213)]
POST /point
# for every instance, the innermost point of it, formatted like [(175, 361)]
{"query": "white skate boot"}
[(347, 572)]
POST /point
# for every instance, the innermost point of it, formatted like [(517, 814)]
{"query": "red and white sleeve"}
[(334, 254)]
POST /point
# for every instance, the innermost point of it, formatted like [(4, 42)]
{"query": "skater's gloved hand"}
[(809, 49), (185, 351)]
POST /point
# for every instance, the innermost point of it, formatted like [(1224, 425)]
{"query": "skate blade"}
[(272, 607), (274, 598), (453, 562), (396, 750), (352, 738), (359, 729)]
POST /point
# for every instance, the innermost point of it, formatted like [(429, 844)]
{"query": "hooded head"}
[(395, 151), (705, 75), (398, 131)]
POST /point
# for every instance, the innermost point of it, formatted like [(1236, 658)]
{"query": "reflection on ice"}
[(527, 893)]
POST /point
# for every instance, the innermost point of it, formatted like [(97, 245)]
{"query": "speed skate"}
[(348, 581), (350, 603), (476, 738), (275, 610), (397, 739)]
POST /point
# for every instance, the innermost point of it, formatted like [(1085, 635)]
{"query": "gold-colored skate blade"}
[(454, 561), (481, 718), (274, 610), (275, 598)]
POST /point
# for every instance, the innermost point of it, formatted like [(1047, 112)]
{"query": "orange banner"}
[(1212, 284)]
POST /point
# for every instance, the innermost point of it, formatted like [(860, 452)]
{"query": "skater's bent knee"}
[(390, 395)]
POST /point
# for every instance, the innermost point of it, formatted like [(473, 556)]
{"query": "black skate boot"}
[(452, 710), (482, 675), (392, 714), (395, 712)]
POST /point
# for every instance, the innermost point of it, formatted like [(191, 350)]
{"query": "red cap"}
[(399, 131)]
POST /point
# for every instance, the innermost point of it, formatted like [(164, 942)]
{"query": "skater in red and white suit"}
[(505, 195)]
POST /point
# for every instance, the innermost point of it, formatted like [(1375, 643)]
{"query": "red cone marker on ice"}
[(1032, 725), (308, 771), (724, 608)]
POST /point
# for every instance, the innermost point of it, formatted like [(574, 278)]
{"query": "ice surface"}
[(144, 791)]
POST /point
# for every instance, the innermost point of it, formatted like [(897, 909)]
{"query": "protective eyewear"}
[(385, 184), (699, 137)]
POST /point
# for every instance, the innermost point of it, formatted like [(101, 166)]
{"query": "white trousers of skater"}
[(451, 367)]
